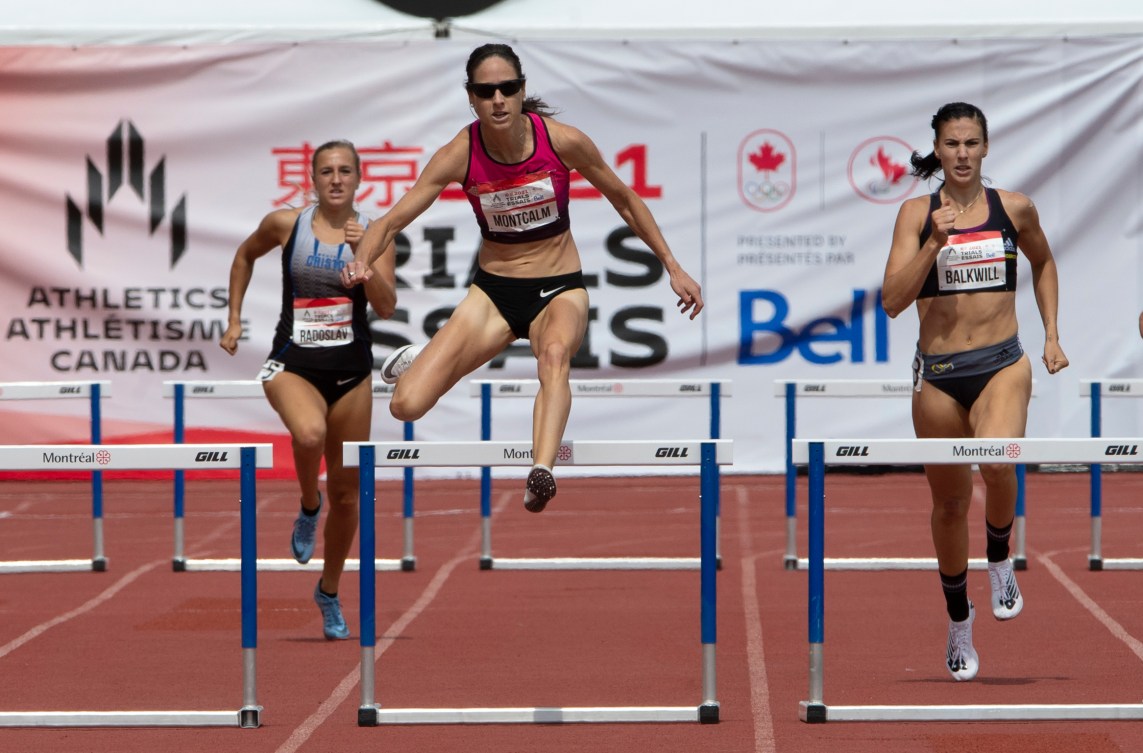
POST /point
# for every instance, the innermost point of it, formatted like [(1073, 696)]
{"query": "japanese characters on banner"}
[(130, 175)]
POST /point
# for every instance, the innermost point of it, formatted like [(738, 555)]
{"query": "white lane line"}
[(305, 730), (755, 653), (1089, 603)]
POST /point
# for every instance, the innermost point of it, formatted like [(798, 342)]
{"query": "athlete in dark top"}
[(318, 374), (529, 283), (953, 254)]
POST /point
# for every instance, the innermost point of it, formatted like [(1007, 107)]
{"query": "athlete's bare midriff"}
[(956, 323), (552, 256)]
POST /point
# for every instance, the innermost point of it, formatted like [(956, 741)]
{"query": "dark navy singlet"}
[(322, 324), (981, 259)]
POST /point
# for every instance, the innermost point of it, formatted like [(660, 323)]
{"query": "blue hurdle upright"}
[(1097, 390), (487, 389), (707, 454), (93, 392), (180, 392), (818, 454), (791, 390), (163, 457)]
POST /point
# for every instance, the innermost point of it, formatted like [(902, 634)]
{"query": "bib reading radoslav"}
[(322, 322), (971, 261), (519, 205)]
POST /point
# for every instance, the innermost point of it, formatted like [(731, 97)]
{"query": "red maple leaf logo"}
[(766, 159), (893, 171)]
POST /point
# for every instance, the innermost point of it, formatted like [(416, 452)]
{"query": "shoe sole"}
[(543, 487)]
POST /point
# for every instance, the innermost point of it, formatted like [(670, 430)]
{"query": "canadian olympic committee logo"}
[(125, 166), (767, 170), (879, 170)]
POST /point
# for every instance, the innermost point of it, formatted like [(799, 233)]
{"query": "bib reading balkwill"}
[(322, 322), (971, 261), (979, 259)]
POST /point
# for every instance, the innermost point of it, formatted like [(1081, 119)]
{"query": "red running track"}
[(140, 636)]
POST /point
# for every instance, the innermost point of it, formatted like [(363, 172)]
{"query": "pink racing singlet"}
[(522, 202)]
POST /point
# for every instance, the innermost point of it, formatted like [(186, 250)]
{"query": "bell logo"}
[(69, 390), (403, 454), (1122, 449), (853, 451), (510, 388), (213, 456), (671, 452), (202, 390), (690, 388)]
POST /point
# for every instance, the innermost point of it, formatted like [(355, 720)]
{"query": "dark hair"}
[(336, 144), (925, 167), (485, 51)]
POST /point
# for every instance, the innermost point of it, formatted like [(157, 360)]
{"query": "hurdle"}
[(180, 392), (791, 389), (94, 392), (487, 389), (1097, 389), (817, 454), (245, 458), (706, 454)]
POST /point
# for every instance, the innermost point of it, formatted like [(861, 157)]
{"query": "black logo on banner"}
[(125, 166)]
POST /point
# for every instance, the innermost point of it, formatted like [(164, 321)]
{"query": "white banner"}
[(130, 174)]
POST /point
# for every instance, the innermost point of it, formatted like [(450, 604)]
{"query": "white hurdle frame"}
[(245, 458), (1096, 390), (707, 454), (487, 389), (94, 392), (180, 392), (790, 390), (817, 454)]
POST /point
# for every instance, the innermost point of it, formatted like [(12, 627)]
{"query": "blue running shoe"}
[(305, 533), (333, 624)]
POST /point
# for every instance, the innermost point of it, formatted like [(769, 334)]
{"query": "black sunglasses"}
[(488, 91)]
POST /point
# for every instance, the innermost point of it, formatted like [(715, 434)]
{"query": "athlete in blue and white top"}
[(318, 376), (954, 255)]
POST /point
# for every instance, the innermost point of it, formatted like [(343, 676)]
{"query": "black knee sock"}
[(956, 595), (997, 550)]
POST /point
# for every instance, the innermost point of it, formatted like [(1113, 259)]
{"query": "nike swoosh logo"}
[(546, 293), (345, 381)]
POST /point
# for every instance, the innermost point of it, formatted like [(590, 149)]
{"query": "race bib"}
[(322, 322), (972, 261), (519, 205)]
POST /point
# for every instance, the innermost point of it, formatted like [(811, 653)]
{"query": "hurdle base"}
[(790, 562), (1019, 563), (179, 565), (812, 712), (408, 564), (250, 717), (1094, 563), (99, 565), (708, 713), (485, 563), (366, 716)]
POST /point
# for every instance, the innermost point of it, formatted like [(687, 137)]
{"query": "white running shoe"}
[(1006, 599), (399, 362), (961, 658)]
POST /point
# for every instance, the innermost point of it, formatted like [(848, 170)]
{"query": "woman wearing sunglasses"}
[(514, 162)]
